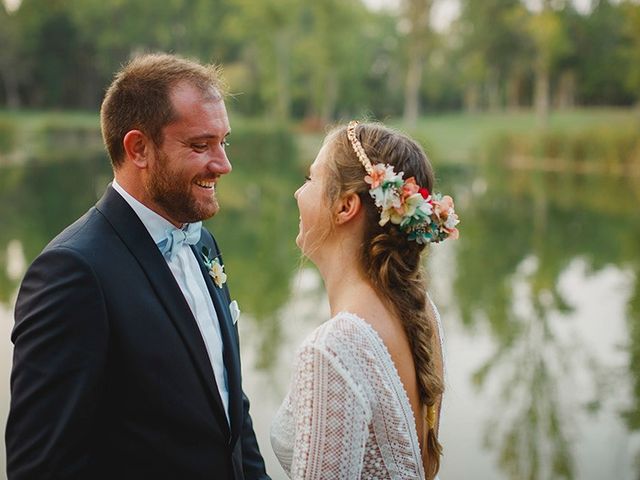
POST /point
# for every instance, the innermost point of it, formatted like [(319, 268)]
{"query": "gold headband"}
[(357, 146)]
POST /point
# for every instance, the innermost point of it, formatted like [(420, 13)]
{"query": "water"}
[(540, 300)]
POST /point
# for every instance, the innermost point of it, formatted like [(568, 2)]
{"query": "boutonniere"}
[(215, 268)]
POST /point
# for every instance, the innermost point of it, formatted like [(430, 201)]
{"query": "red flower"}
[(424, 192)]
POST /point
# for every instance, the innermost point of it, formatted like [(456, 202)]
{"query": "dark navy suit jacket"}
[(111, 377)]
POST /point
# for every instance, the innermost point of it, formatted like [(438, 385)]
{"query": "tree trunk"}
[(566, 92), (417, 13), (11, 90), (472, 98), (493, 91), (330, 97), (541, 99), (514, 90), (283, 96), (412, 91)]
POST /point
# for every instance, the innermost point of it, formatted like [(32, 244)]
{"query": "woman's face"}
[(313, 206)]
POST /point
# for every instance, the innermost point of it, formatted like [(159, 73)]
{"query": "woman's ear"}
[(137, 148), (348, 207)]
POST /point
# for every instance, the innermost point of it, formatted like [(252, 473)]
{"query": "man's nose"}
[(220, 164)]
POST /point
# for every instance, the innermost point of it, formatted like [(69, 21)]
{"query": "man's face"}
[(183, 174)]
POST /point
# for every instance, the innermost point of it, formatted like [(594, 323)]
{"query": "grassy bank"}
[(462, 137), (448, 138)]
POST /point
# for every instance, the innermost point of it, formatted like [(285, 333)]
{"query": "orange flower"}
[(442, 207), (409, 188), (375, 177)]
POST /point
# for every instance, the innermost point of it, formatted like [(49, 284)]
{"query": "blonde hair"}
[(390, 261)]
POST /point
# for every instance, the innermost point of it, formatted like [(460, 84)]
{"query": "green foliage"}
[(8, 132), (329, 59), (50, 135), (630, 50), (603, 68)]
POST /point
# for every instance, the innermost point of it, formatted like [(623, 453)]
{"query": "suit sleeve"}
[(60, 346)]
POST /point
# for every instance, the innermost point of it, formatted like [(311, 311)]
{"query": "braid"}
[(390, 261), (396, 276)]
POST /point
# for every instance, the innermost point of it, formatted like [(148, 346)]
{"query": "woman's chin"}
[(300, 242)]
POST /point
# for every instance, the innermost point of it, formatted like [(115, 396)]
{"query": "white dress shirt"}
[(186, 270)]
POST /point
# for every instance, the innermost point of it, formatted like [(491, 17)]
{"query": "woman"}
[(365, 396)]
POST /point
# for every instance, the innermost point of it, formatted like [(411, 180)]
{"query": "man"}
[(126, 360)]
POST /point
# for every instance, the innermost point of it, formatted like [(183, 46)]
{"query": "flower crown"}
[(424, 217)]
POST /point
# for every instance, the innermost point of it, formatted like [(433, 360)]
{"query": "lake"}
[(540, 300)]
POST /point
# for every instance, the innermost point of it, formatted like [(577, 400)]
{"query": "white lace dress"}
[(347, 414)]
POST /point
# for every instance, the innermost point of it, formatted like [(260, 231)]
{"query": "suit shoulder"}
[(81, 233), (82, 239)]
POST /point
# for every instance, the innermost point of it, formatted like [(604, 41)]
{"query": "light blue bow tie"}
[(176, 238)]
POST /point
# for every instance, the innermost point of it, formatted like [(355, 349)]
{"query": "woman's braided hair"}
[(392, 262)]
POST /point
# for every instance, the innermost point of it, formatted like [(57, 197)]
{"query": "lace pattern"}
[(347, 414)]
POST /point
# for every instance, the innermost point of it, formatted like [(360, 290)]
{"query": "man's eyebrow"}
[(203, 136)]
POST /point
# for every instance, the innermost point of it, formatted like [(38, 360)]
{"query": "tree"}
[(603, 67), (493, 47), (416, 17), (269, 29), (13, 65), (631, 48), (551, 43)]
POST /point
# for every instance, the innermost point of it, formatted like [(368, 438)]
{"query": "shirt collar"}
[(155, 224)]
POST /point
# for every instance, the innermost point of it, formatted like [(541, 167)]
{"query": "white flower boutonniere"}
[(216, 270)]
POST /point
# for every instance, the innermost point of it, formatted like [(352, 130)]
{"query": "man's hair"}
[(139, 98)]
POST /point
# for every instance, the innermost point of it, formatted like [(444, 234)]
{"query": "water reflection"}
[(523, 233), (38, 200), (532, 293)]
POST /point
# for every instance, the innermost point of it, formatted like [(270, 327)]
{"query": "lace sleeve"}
[(331, 418)]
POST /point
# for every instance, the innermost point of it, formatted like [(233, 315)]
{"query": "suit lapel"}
[(137, 239), (231, 353)]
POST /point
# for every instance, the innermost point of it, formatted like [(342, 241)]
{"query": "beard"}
[(173, 193)]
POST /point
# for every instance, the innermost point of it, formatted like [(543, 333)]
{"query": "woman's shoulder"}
[(343, 329), (346, 338)]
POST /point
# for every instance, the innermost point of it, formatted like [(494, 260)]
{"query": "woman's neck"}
[(347, 287)]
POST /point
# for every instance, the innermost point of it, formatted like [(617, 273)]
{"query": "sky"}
[(11, 4), (444, 11)]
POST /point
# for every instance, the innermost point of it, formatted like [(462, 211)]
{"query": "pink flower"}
[(442, 207), (409, 188), (446, 215), (376, 177)]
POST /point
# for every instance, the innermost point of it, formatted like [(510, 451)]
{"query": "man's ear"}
[(137, 148), (348, 207)]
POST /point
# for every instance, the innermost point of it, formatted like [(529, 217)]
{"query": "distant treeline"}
[(322, 59)]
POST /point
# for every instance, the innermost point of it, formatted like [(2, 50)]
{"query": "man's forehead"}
[(186, 92)]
